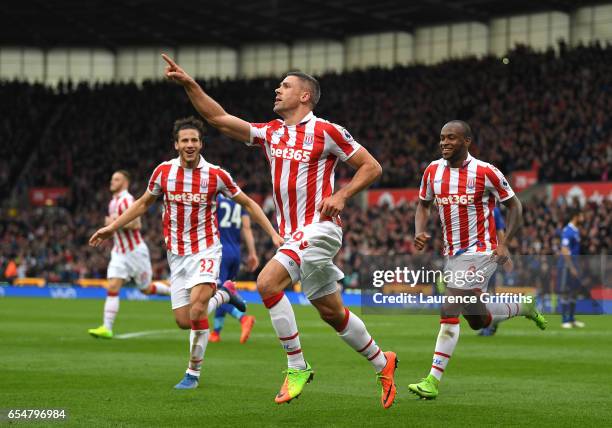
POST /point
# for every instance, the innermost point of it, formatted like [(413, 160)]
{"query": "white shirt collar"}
[(177, 161), (305, 119), (572, 225), (122, 193), (465, 163)]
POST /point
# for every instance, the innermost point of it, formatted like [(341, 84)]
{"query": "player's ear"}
[(176, 145)]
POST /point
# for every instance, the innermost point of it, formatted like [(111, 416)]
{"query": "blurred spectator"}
[(543, 111)]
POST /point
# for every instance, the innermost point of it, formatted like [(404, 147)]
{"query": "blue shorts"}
[(566, 282), (230, 265)]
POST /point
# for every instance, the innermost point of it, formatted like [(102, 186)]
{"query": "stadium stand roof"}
[(111, 23)]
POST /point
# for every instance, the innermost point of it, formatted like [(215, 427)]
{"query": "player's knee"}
[(477, 322), (197, 308), (331, 316), (265, 284), (183, 324)]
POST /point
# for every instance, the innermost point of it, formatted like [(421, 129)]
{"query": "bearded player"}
[(302, 151), (190, 186), (130, 257), (465, 190)]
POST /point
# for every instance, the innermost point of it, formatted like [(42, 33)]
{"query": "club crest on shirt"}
[(471, 183), (308, 141), (277, 135), (203, 183)]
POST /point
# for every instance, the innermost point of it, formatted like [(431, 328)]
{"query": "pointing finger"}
[(169, 60)]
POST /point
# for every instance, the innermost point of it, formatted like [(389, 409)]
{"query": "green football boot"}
[(101, 332), (427, 388), (294, 383), (534, 315)]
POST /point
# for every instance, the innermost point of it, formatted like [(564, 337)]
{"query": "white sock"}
[(504, 311), (111, 307), (220, 297), (445, 345), (160, 288), (357, 337), (283, 321), (198, 339)]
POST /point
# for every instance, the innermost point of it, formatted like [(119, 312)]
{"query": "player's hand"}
[(332, 205), (277, 240), (252, 262), (508, 266), (175, 73), (421, 240), (100, 235), (501, 254), (573, 271)]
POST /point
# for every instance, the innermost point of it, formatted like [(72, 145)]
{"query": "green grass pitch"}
[(521, 377)]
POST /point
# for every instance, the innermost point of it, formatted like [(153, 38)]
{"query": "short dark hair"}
[(124, 173), (572, 213), (188, 123), (467, 130), (313, 85)]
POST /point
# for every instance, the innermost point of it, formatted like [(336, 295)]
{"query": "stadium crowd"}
[(50, 243), (547, 111)]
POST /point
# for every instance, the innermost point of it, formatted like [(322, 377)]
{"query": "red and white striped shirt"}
[(465, 198), (302, 160), (190, 203), (124, 240)]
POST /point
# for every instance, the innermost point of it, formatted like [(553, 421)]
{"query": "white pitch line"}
[(143, 333)]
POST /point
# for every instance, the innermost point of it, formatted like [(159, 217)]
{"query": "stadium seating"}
[(542, 111)]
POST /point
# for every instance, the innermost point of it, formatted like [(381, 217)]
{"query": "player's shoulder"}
[(434, 164), (274, 123), (332, 129), (163, 165), (218, 170), (486, 166)]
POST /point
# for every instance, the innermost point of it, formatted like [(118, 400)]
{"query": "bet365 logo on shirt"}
[(290, 153), (455, 200), (186, 197)]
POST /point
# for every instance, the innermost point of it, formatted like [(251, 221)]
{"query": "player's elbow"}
[(375, 170)]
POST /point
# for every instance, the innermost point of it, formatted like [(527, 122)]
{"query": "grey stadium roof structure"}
[(113, 23)]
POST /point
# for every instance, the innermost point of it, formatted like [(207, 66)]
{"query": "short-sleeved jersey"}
[(465, 198), (229, 218), (302, 161), (124, 240), (190, 202), (570, 239)]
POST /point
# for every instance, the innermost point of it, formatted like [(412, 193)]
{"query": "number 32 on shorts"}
[(207, 265)]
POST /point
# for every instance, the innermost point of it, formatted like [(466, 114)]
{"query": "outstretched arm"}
[(260, 218), (208, 108), (368, 171), (135, 210)]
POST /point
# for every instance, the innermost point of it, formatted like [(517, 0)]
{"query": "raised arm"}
[(259, 217), (208, 108), (135, 210)]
